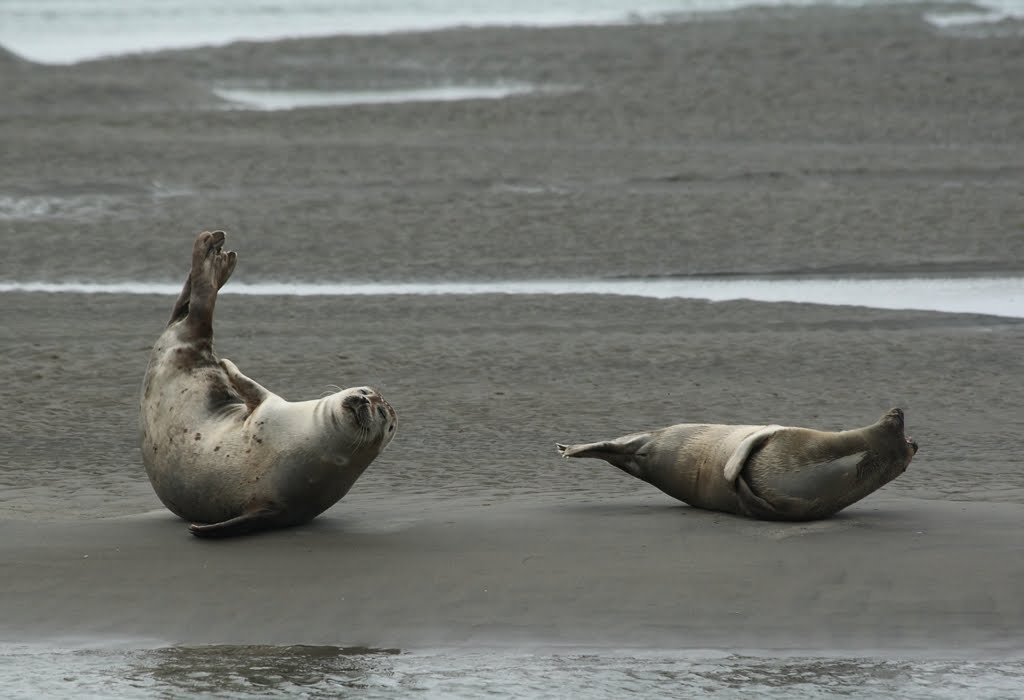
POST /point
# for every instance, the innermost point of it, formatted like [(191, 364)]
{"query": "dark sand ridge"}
[(853, 140)]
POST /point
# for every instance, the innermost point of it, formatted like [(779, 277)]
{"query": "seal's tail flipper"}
[(223, 264), (251, 521), (211, 268), (621, 452)]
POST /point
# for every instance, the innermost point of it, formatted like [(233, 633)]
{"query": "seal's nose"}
[(913, 444), (355, 401)]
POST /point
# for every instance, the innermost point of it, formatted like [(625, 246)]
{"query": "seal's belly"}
[(807, 481), (196, 468), (194, 441), (808, 487), (690, 464)]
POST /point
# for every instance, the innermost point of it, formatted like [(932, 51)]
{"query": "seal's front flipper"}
[(750, 444), (781, 507), (251, 391), (622, 452), (254, 520)]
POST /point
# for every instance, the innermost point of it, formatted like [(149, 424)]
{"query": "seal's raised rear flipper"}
[(254, 520), (621, 452), (180, 309), (211, 268)]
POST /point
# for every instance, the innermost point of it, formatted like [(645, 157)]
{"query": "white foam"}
[(997, 296)]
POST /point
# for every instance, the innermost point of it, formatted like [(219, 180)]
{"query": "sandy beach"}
[(826, 141)]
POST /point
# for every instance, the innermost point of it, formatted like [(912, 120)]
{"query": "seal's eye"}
[(364, 392)]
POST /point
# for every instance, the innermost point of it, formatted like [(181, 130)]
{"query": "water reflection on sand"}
[(329, 671)]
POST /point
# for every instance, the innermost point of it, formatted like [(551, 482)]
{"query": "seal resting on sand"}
[(227, 454), (769, 472)]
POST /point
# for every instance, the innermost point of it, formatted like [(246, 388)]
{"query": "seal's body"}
[(226, 453), (762, 471)]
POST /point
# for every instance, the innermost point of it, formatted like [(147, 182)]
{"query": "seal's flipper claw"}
[(226, 265), (251, 521)]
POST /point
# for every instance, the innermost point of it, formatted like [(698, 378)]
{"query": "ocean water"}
[(331, 672), (997, 296), (67, 31)]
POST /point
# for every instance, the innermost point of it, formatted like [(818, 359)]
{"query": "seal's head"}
[(367, 415), (905, 447)]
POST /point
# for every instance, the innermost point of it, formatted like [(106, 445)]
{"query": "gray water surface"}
[(997, 296), (272, 100)]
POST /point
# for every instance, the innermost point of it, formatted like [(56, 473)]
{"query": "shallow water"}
[(997, 296), (271, 100), (66, 31), (326, 671), (59, 31)]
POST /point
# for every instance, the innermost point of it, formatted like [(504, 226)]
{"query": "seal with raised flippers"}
[(770, 472), (225, 453)]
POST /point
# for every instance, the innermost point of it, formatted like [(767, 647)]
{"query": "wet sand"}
[(815, 141), (893, 575), (469, 530), (857, 142)]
